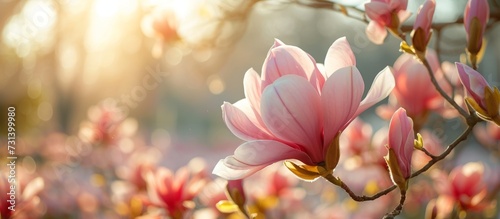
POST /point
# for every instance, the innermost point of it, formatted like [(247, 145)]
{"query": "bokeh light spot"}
[(45, 111)]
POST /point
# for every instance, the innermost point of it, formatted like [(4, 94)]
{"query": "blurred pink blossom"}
[(160, 23), (295, 111), (385, 13), (439, 208), (411, 76), (356, 138), (25, 197), (465, 186), (107, 125), (488, 135), (174, 192)]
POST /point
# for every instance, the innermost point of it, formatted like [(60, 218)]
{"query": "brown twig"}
[(337, 181), (427, 153), (398, 209), (442, 92)]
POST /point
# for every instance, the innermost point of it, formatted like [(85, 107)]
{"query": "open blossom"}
[(107, 125), (412, 76), (476, 15), (174, 192), (295, 111), (161, 23), (480, 95), (421, 34), (400, 146), (465, 186), (385, 13)]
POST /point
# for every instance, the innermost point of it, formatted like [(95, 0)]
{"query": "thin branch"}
[(437, 48), (334, 7), (337, 181), (427, 153), (398, 209), (448, 150), (442, 92)]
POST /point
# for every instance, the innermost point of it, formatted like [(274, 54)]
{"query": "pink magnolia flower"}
[(480, 95), (161, 23), (137, 165), (476, 15), (401, 141), (439, 208), (421, 33), (488, 135), (385, 13), (465, 186), (356, 138), (411, 76), (174, 192), (296, 111), (107, 125)]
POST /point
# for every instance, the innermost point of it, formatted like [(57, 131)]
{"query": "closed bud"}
[(421, 33)]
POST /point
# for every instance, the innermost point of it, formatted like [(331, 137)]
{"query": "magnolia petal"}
[(398, 4), (317, 78), (341, 96), (473, 82), (403, 16), (380, 89), (285, 60), (375, 11), (277, 43), (252, 156), (339, 55), (253, 91), (291, 110), (241, 122), (159, 185), (376, 32)]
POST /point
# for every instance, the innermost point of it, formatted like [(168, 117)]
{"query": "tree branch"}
[(442, 92), (337, 181)]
